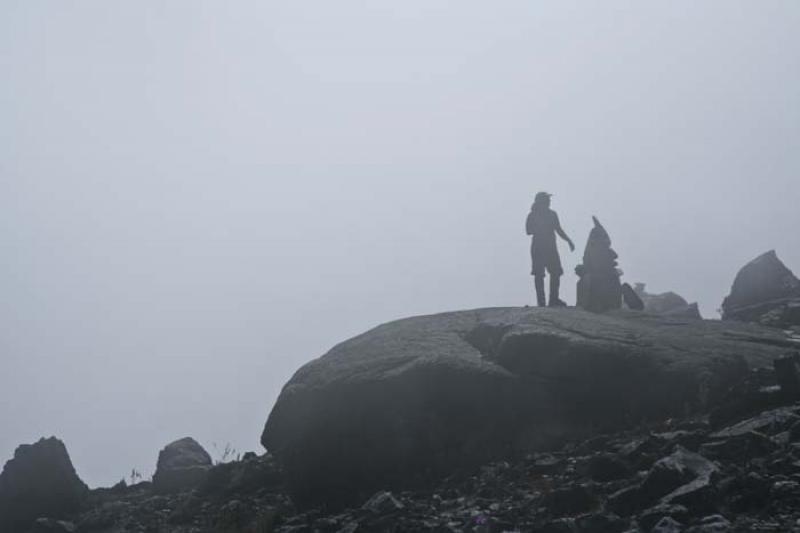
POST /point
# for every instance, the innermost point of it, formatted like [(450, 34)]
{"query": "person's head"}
[(542, 199)]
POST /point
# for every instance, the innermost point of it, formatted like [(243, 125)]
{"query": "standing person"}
[(543, 225)]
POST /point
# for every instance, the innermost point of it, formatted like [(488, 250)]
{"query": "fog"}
[(196, 198)]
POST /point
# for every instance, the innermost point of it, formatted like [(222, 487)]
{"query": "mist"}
[(196, 198)]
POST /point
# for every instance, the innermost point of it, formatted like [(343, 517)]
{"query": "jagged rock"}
[(600, 523), (715, 523), (650, 517), (382, 503), (39, 482), (769, 422), (182, 465), (428, 395), (765, 291), (248, 474), (667, 303), (570, 500), (599, 287), (672, 476), (667, 525), (607, 467), (740, 447)]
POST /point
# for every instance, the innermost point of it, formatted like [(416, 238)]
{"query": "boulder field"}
[(421, 397)]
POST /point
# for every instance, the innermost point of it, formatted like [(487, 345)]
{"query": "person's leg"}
[(555, 286), (556, 271), (541, 301)]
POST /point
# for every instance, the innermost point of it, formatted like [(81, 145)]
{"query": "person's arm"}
[(561, 233)]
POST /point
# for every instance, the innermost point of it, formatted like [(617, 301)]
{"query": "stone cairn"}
[(599, 286)]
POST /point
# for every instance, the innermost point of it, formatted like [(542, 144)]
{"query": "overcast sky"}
[(198, 197)]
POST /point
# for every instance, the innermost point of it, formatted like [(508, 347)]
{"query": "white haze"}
[(196, 198)]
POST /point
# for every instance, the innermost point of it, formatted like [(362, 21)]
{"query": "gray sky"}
[(198, 197)]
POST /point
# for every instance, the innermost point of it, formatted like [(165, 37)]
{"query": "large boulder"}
[(424, 396), (182, 465), (764, 291), (39, 482)]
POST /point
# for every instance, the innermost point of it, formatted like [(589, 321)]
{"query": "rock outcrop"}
[(667, 303), (424, 396), (764, 291), (599, 287), (182, 465), (39, 482)]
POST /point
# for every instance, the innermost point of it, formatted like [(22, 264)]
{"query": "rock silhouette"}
[(667, 303), (428, 395), (764, 291), (182, 465), (682, 473), (599, 287), (39, 482)]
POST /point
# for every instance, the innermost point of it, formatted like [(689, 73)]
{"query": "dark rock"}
[(674, 472), (667, 525), (690, 440), (786, 375), (560, 525), (39, 482), (249, 474), (182, 465), (785, 489), (48, 525), (699, 495), (650, 517), (767, 422), (691, 312), (382, 503), (570, 500), (746, 493), (668, 303), (600, 523), (761, 286), (627, 501), (715, 523), (599, 287), (739, 448), (545, 463), (607, 467), (631, 298), (418, 398)]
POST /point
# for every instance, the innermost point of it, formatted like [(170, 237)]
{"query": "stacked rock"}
[(599, 287)]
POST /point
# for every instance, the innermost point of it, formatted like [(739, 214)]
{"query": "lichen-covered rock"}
[(39, 482), (425, 396), (182, 465)]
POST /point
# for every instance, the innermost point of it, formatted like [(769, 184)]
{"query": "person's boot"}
[(541, 301), (555, 286)]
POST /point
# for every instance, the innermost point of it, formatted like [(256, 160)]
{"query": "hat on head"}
[(542, 196)]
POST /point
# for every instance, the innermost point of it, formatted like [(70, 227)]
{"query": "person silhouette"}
[(543, 226)]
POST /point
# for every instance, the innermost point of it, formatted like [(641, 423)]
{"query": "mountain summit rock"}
[(425, 396)]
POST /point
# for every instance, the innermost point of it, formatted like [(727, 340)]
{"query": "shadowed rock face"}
[(424, 396), (39, 481), (764, 291), (182, 465)]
